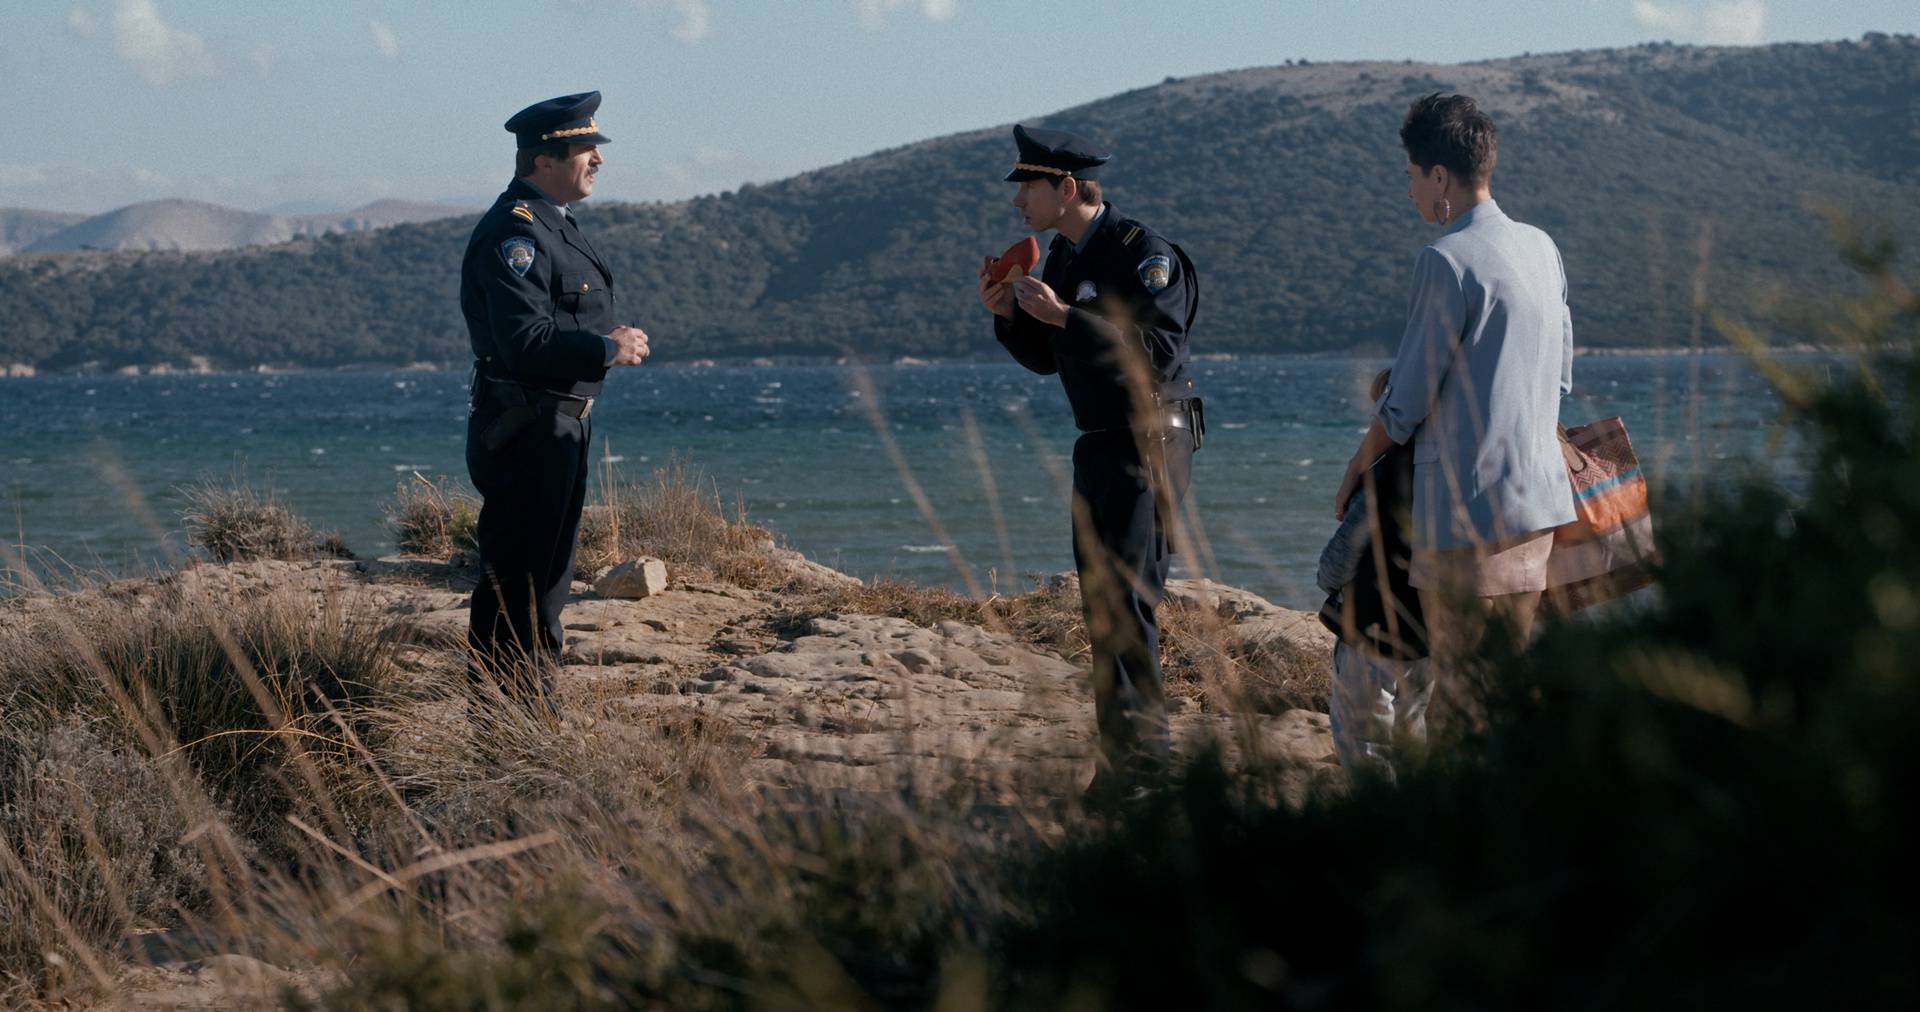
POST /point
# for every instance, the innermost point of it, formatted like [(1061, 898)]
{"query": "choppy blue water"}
[(91, 467)]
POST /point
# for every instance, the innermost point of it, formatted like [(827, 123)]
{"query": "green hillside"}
[(1283, 183)]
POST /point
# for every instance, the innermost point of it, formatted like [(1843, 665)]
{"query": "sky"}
[(329, 104)]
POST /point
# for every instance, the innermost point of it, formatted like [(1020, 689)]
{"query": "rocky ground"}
[(825, 699)]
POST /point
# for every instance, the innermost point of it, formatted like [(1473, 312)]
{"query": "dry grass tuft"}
[(1204, 656), (428, 519), (233, 522), (676, 515), (88, 819), (152, 750)]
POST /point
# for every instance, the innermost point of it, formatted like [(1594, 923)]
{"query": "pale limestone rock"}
[(846, 700), (633, 580)]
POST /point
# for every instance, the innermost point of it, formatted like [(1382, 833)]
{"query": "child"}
[(1379, 686)]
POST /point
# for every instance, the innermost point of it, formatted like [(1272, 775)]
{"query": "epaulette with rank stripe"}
[(1132, 234), (522, 211)]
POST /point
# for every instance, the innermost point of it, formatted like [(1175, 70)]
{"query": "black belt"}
[(1188, 415), (524, 404)]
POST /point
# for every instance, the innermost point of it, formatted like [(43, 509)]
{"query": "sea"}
[(940, 473)]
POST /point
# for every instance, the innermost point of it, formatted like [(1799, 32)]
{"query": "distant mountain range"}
[(195, 226), (1655, 168)]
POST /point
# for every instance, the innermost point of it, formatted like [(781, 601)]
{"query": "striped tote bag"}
[(1607, 550)]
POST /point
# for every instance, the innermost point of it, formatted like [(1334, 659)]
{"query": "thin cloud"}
[(149, 179), (160, 53), (1715, 22), (22, 175), (873, 14), (696, 20), (696, 17), (1735, 22), (83, 22), (384, 39)]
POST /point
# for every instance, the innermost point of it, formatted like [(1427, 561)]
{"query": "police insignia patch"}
[(518, 253), (522, 212), (1156, 272), (1086, 292)]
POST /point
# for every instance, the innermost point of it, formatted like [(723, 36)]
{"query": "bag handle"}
[(1576, 461)]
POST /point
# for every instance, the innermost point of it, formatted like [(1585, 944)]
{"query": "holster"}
[(517, 411)]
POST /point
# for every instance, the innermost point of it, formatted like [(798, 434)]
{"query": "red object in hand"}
[(1017, 262)]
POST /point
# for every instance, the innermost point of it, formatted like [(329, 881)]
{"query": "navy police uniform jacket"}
[(1127, 289), (537, 298)]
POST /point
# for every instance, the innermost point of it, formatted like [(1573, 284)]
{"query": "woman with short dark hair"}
[(1485, 358)]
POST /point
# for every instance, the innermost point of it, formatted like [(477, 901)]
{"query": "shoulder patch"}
[(521, 211), (518, 253), (1133, 233), (1156, 272)]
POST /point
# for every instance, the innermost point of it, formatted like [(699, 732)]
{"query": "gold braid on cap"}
[(1040, 168), (590, 128)]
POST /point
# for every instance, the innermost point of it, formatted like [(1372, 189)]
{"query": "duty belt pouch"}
[(1198, 409)]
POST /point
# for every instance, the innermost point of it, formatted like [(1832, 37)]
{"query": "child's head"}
[(1379, 387)]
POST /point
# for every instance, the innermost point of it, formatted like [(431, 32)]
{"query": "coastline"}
[(203, 367)]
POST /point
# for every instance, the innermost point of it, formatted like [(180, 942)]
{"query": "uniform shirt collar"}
[(543, 195), (1099, 217)]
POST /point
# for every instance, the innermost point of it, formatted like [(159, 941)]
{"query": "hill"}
[(196, 225), (20, 228), (1283, 183)]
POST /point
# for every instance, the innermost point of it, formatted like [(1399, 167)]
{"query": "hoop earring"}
[(1446, 211)]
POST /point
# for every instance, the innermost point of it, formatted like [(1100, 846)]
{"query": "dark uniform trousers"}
[(538, 301), (1123, 359), (532, 491), (1122, 550)]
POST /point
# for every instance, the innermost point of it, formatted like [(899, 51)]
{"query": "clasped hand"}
[(632, 342)]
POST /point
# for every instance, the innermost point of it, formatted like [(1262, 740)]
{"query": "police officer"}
[(541, 315), (1109, 314)]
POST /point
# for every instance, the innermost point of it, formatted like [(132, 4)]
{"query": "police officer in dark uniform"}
[(542, 317), (1109, 314)]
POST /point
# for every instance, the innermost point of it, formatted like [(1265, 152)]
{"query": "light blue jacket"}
[(1486, 357)]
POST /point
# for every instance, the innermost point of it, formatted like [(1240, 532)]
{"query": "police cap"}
[(568, 118), (1055, 154)]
